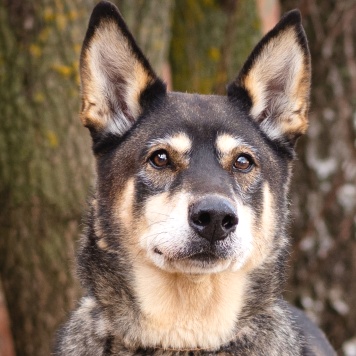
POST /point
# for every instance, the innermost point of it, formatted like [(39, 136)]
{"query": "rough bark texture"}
[(211, 40), (323, 271), (45, 164), (6, 342)]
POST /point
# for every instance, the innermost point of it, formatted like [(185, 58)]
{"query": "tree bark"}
[(324, 189), (211, 41), (45, 164)]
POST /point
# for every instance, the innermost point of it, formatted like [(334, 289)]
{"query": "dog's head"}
[(191, 183)]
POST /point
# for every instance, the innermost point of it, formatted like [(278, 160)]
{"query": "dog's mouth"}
[(196, 259), (208, 256), (204, 257)]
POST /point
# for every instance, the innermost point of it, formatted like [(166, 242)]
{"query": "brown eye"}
[(243, 163), (160, 159)]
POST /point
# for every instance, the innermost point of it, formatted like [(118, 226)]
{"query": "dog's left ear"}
[(117, 80), (274, 82)]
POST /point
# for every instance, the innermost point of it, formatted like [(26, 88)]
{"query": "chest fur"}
[(188, 311)]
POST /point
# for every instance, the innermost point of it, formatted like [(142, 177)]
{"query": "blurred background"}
[(46, 166)]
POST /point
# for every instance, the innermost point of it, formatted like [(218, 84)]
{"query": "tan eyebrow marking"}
[(229, 147), (179, 142), (225, 143)]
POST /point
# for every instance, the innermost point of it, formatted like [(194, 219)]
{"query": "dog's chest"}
[(188, 313)]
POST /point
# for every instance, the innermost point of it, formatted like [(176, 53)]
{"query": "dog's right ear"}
[(117, 80)]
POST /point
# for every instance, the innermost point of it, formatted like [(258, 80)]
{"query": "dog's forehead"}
[(201, 118), (205, 108)]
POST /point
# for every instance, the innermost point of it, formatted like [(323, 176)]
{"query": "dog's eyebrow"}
[(179, 142), (225, 143)]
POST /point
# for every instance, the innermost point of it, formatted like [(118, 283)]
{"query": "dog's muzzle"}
[(213, 217)]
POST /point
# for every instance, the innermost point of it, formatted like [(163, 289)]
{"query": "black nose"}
[(213, 217)]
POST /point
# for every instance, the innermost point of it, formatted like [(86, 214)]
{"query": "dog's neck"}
[(187, 311)]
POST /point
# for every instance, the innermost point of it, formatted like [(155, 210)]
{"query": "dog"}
[(185, 247)]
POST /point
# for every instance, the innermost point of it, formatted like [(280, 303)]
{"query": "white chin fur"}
[(189, 266)]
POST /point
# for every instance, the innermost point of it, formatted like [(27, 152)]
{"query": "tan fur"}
[(292, 102), (226, 143), (124, 206), (177, 307), (108, 55), (87, 304), (180, 143), (163, 295), (140, 79), (158, 208), (187, 311), (229, 148), (102, 244), (97, 227), (244, 232), (178, 146), (263, 230)]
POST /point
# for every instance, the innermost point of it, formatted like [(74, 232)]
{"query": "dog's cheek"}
[(124, 214), (264, 228), (242, 238), (154, 216), (165, 224)]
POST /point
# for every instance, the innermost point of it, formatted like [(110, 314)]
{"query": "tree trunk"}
[(324, 189), (211, 40), (45, 164)]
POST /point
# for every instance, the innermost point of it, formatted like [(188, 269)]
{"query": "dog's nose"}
[(213, 217)]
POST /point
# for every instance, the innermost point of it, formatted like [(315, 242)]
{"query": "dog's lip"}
[(201, 255)]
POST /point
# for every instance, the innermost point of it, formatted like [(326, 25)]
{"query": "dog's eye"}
[(243, 163), (160, 159)]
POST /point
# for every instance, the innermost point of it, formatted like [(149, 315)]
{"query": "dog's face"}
[(189, 183), (196, 193)]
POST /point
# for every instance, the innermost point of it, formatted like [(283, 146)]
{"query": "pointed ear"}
[(117, 81), (275, 80)]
